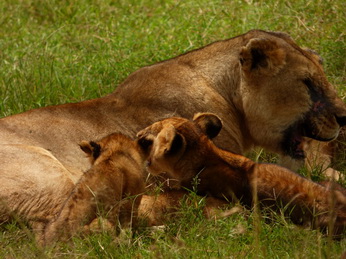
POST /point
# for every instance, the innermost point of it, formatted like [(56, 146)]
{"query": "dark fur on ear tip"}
[(258, 59), (176, 146), (144, 143), (96, 151), (85, 146), (209, 123)]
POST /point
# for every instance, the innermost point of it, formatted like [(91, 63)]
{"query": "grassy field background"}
[(58, 51)]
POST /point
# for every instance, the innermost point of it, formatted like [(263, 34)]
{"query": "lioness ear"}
[(170, 141), (92, 149), (262, 56), (209, 123)]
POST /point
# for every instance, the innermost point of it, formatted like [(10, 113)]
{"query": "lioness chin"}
[(183, 150), (268, 91)]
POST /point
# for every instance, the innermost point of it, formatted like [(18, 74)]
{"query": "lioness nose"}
[(341, 120)]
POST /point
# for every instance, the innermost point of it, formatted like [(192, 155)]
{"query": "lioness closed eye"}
[(183, 149)]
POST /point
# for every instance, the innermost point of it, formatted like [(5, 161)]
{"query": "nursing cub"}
[(183, 150), (112, 188)]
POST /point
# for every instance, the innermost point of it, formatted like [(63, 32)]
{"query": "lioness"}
[(112, 188), (268, 91), (182, 149)]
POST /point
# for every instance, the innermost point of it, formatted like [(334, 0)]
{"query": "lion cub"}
[(183, 149), (111, 188)]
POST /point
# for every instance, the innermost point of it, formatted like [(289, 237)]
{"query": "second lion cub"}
[(183, 150)]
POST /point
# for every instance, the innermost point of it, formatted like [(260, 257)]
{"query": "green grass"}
[(58, 51)]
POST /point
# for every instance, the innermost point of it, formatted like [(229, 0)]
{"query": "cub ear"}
[(209, 123), (145, 141), (262, 56), (92, 149), (169, 141)]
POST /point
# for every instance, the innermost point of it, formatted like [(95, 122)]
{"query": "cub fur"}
[(183, 150), (111, 188), (114, 189), (157, 210)]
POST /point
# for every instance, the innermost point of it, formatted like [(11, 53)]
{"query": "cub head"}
[(110, 146), (285, 95), (168, 144)]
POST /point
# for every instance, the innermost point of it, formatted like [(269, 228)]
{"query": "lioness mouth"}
[(293, 138), (292, 143)]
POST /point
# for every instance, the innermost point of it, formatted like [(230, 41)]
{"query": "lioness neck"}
[(218, 63)]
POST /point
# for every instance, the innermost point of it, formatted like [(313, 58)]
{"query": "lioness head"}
[(285, 95), (168, 143)]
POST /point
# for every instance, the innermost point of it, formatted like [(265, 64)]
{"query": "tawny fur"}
[(112, 188), (156, 210), (181, 149), (260, 83)]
